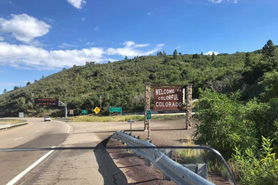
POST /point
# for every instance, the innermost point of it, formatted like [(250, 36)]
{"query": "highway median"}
[(10, 123)]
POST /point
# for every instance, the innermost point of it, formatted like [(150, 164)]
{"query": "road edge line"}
[(19, 176)]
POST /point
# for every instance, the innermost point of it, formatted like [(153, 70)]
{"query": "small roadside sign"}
[(115, 109), (84, 112), (71, 112), (96, 110), (130, 122), (21, 115), (149, 114)]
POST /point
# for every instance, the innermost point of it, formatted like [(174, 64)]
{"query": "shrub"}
[(257, 169), (222, 126)]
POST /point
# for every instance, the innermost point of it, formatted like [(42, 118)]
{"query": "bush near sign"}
[(115, 109), (168, 98)]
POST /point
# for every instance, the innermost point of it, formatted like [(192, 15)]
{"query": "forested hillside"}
[(246, 132), (122, 83)]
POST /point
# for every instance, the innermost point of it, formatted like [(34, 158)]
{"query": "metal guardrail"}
[(173, 170)]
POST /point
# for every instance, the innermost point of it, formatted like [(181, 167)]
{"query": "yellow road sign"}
[(96, 110)]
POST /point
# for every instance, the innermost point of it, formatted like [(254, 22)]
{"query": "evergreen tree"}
[(175, 54), (5, 91), (247, 59), (268, 49), (212, 56)]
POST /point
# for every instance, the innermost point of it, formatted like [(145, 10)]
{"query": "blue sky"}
[(39, 37)]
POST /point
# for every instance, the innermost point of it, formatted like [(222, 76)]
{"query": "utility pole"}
[(66, 111), (100, 102)]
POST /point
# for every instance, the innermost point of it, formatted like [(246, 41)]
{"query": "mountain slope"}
[(122, 83)]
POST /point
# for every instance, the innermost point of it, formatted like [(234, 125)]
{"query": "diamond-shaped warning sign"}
[(96, 110)]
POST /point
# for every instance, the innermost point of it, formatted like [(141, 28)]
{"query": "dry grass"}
[(11, 121), (90, 118)]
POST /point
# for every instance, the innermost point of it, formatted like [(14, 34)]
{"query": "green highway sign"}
[(149, 114), (115, 109), (84, 112)]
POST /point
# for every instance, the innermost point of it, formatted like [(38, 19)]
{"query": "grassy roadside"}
[(90, 118), (11, 121)]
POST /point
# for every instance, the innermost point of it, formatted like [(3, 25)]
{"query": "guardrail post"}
[(147, 162), (166, 177)]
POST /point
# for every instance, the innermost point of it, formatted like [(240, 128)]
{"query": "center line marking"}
[(68, 129), (17, 138), (19, 176)]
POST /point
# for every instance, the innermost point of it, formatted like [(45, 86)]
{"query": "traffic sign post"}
[(130, 122), (66, 108), (149, 117)]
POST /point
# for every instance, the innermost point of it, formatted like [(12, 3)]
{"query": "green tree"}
[(16, 87), (175, 54), (269, 49), (270, 85), (5, 91), (212, 56), (247, 60)]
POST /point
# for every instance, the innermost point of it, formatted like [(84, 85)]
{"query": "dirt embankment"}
[(163, 133)]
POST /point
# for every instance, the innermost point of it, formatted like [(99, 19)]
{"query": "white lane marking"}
[(68, 129), (18, 138), (19, 176), (36, 131)]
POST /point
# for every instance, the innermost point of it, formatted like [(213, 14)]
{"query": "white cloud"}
[(24, 27), (27, 55), (211, 52), (1, 39), (66, 45), (77, 3), (130, 50), (90, 43), (220, 1), (131, 44), (215, 1)]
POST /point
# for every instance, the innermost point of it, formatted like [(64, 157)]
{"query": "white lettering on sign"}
[(162, 92), (169, 97), (168, 104)]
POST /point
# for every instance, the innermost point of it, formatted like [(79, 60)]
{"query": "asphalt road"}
[(57, 167), (36, 134)]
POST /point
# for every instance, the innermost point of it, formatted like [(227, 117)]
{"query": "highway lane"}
[(60, 167), (70, 167), (36, 134)]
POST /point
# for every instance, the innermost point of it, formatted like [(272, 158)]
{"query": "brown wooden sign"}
[(168, 98)]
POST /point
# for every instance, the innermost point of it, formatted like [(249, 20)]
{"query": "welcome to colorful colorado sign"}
[(168, 98)]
